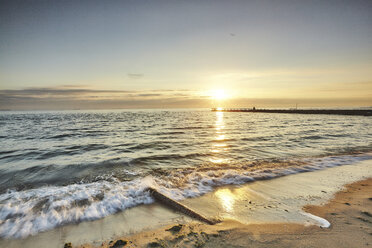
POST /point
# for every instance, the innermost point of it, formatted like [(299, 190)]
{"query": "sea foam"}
[(27, 212)]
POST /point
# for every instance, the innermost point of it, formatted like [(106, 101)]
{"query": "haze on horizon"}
[(177, 54)]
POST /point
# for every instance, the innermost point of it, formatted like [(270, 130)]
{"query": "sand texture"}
[(349, 212)]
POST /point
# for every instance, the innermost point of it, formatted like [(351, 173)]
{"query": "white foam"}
[(28, 212), (320, 221), (20, 215)]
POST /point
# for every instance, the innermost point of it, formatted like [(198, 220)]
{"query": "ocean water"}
[(66, 167)]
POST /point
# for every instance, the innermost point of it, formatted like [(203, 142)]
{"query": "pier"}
[(359, 112)]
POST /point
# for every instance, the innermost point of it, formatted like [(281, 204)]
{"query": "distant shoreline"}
[(359, 112)]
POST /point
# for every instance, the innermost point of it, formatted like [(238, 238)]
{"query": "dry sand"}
[(349, 212)]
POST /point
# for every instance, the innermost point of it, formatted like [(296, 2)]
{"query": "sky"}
[(185, 54)]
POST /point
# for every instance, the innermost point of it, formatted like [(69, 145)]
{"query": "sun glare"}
[(219, 94)]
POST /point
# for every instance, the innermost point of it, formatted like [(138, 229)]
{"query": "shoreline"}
[(349, 213), (274, 205)]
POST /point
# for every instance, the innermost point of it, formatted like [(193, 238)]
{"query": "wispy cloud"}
[(65, 97), (55, 91), (62, 97), (135, 75), (72, 92)]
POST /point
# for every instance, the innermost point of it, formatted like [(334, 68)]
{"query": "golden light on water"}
[(220, 125), (217, 160), (227, 199), (219, 145), (219, 121), (230, 199)]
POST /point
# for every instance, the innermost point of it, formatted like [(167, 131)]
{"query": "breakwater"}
[(362, 112)]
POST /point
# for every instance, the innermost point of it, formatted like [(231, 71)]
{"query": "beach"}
[(185, 124), (83, 177), (349, 213), (269, 212)]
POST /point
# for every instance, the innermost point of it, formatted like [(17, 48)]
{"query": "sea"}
[(65, 167)]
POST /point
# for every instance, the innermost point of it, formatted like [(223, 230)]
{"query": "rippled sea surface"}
[(66, 167)]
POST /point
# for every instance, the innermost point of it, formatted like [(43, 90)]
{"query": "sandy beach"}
[(289, 211), (349, 213), (185, 124), (348, 210)]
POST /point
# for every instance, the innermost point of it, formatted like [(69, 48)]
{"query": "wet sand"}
[(273, 213), (349, 212), (259, 214)]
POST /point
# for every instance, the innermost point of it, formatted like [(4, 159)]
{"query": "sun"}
[(218, 94)]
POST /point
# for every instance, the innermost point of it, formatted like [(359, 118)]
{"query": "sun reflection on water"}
[(230, 199), (219, 145), (219, 139), (217, 160), (227, 199)]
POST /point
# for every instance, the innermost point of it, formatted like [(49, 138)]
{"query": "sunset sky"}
[(185, 54)]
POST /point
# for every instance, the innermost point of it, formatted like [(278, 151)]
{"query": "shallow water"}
[(270, 201), (66, 167)]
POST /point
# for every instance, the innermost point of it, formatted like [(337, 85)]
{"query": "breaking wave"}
[(24, 213)]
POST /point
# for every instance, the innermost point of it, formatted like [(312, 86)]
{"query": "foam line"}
[(27, 212), (322, 222)]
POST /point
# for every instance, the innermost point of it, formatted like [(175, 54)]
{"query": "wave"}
[(47, 154), (157, 158), (38, 176), (24, 213), (169, 133), (191, 127), (155, 145), (61, 136), (7, 152)]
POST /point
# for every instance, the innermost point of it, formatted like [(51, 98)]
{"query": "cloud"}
[(150, 94), (50, 92), (135, 75), (65, 97), (55, 91)]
